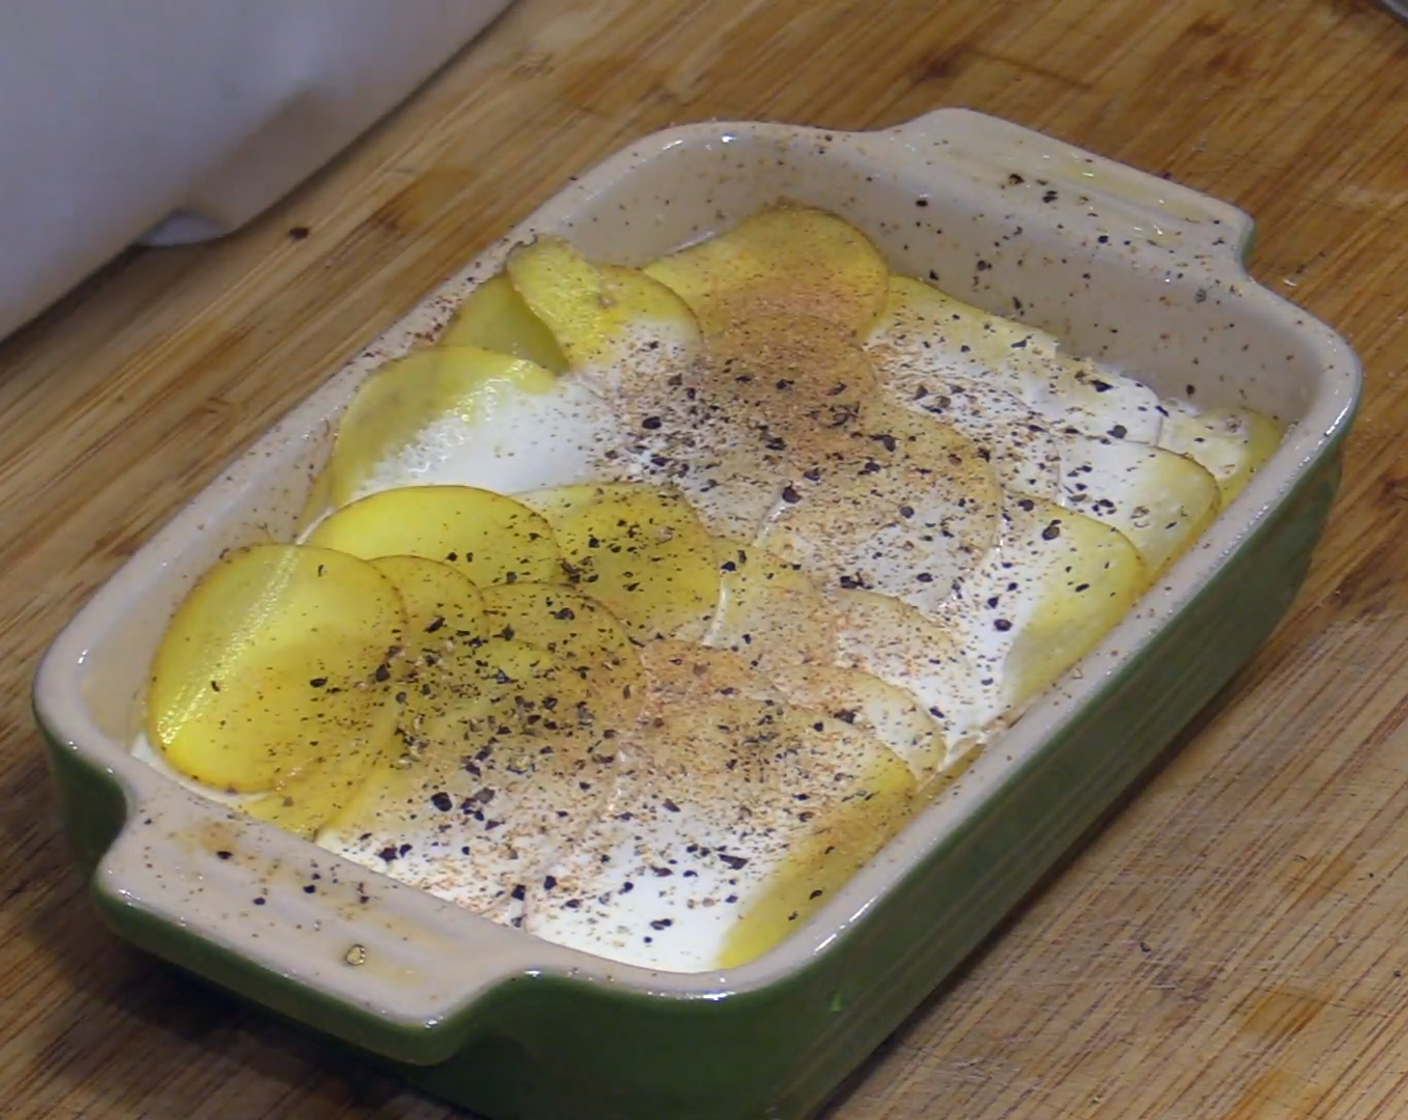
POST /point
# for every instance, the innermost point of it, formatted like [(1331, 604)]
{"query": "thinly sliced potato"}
[(1232, 444), (1098, 401), (901, 504), (495, 317), (275, 664), (306, 802), (730, 430), (642, 553), (447, 623), (1017, 442), (732, 811), (612, 322), (405, 397), (437, 596), (484, 806), (770, 613), (1161, 501), (732, 488), (922, 323), (889, 713), (895, 642), (1056, 584), (794, 381), (579, 632), (789, 260), (920, 368), (925, 333), (849, 794), (681, 676), (490, 538), (655, 879), (499, 686), (554, 503)]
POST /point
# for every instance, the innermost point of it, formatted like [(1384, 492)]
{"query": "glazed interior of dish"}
[(641, 609)]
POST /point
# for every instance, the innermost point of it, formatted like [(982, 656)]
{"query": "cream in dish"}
[(650, 603)]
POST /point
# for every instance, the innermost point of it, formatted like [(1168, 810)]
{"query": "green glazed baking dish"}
[(1123, 267)]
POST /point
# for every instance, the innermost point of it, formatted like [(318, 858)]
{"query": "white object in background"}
[(180, 120)]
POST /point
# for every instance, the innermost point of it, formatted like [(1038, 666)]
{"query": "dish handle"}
[(353, 953), (1022, 157)]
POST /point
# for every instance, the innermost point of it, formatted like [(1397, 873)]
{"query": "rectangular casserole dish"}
[(1122, 266)]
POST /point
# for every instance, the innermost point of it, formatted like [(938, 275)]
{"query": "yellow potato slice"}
[(468, 689), (681, 676), (554, 503), (500, 685), (901, 504), (895, 642), (892, 715), (656, 879), (437, 597), (732, 488), (557, 503), (495, 317), (927, 334), (403, 398), (732, 810), (959, 337), (490, 798), (579, 632), (1057, 583), (447, 622), (794, 381), (276, 663), (615, 322), (856, 793), (305, 803), (646, 557), (488, 537), (789, 260), (1098, 401), (920, 368), (1231, 443), (770, 613), (1161, 501)]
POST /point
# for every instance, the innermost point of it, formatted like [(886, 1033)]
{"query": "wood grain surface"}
[(1234, 945)]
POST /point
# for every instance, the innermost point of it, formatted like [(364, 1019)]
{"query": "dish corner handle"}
[(1208, 224), (399, 976)]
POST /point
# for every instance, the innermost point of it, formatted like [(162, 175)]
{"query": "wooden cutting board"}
[(1233, 946)]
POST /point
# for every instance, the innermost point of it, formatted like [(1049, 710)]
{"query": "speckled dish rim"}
[(424, 961)]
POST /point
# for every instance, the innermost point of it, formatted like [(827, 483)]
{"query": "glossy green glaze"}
[(543, 1049)]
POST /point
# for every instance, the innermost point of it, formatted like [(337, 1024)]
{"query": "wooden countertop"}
[(1234, 945)]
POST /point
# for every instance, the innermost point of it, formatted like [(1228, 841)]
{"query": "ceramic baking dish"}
[(1123, 267)]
